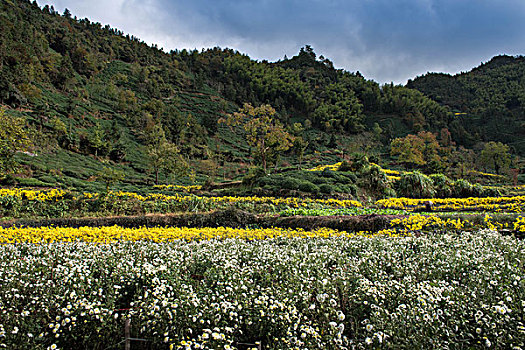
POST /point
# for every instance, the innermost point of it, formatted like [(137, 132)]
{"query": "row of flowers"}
[(333, 167), (33, 195), (442, 291), (496, 204), (110, 234), (55, 195), (430, 222), (188, 188)]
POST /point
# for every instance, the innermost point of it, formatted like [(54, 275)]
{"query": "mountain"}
[(95, 98), (488, 101)]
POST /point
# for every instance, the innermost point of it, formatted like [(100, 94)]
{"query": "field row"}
[(337, 293), (17, 203), (162, 234), (402, 226), (495, 204)]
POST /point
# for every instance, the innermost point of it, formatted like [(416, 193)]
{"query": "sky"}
[(385, 40)]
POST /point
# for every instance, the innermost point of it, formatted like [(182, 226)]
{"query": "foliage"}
[(110, 176), (357, 163), (264, 132), (376, 180), (281, 292), (18, 203), (488, 101), (417, 150), (339, 212), (415, 185), (317, 183), (442, 185), (495, 155), (164, 155), (95, 90), (13, 138), (254, 174)]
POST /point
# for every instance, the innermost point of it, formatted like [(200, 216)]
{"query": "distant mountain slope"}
[(492, 96), (92, 94)]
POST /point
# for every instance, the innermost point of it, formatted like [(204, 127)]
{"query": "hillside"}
[(489, 101), (95, 98)]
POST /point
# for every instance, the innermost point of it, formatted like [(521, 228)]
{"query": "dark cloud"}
[(387, 40)]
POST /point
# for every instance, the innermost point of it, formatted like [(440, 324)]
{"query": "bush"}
[(358, 163), (308, 181), (254, 174), (307, 186), (32, 182), (325, 188), (442, 185), (345, 166), (491, 192), (376, 180), (291, 183), (7, 180), (462, 189), (478, 191), (415, 185)]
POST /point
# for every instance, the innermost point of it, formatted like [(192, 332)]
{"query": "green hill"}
[(94, 97), (489, 101)]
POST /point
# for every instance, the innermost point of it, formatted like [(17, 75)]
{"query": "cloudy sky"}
[(386, 40)]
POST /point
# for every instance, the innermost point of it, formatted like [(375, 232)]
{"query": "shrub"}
[(325, 188), (376, 180), (345, 166), (307, 186), (253, 175), (478, 191), (491, 192), (358, 163), (291, 183), (462, 188), (415, 185), (32, 182), (442, 185)]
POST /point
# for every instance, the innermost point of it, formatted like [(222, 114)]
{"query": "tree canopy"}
[(264, 132)]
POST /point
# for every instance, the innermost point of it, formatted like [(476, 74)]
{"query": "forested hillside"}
[(99, 104), (488, 101)]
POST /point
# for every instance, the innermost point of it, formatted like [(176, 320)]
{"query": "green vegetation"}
[(13, 139), (317, 184), (94, 101), (265, 134), (340, 212), (488, 102), (313, 258)]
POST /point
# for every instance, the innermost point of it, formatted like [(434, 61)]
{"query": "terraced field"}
[(451, 278)]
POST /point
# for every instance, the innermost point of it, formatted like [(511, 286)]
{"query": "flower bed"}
[(495, 204), (439, 291)]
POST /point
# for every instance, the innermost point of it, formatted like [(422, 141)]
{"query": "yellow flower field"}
[(332, 167), (38, 195), (420, 222), (111, 234), (56, 194), (178, 187), (497, 204)]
